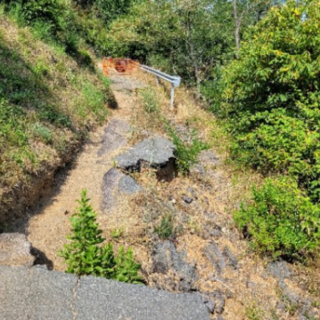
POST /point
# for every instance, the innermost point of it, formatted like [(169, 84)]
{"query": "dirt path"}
[(49, 225), (203, 250)]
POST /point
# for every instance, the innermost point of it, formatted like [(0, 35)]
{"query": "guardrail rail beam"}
[(174, 80)]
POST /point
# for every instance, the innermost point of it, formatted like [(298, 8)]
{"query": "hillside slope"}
[(49, 102)]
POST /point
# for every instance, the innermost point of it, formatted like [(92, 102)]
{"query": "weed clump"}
[(166, 228), (85, 254), (187, 154), (150, 102)]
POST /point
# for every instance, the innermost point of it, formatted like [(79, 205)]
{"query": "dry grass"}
[(49, 87)]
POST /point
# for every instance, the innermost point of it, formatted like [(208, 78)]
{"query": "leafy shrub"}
[(85, 255), (187, 155), (51, 20), (271, 95), (281, 220)]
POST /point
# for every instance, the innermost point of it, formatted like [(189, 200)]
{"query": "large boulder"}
[(15, 250), (156, 152)]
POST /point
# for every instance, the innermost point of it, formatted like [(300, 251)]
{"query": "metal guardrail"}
[(174, 80)]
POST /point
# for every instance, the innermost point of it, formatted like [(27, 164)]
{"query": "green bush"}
[(271, 95), (52, 21), (281, 220), (187, 154), (85, 254)]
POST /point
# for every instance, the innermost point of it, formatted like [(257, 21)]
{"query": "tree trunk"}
[(237, 26)]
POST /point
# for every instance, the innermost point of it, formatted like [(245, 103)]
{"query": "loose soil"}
[(250, 291)]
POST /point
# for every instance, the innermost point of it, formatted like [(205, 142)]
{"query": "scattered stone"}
[(208, 157), (128, 185), (115, 185), (231, 259), (214, 255), (187, 199), (166, 259), (303, 305), (209, 303), (115, 136), (198, 170), (220, 301), (216, 232), (192, 192), (279, 269), (214, 301), (156, 152), (15, 250)]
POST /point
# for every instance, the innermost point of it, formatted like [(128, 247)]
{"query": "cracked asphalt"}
[(36, 294)]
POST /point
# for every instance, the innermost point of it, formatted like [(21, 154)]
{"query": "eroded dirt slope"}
[(181, 229)]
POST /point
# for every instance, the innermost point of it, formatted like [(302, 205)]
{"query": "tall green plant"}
[(271, 95), (85, 254)]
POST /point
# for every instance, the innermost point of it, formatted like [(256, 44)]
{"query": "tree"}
[(271, 95), (246, 13), (185, 37)]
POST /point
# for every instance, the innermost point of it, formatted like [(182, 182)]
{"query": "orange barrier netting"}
[(121, 65)]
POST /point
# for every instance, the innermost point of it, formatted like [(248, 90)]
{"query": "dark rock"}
[(15, 250), (41, 259), (231, 259), (156, 152), (187, 199), (166, 258), (214, 255), (115, 136), (279, 269), (219, 300), (128, 185), (115, 185), (209, 303)]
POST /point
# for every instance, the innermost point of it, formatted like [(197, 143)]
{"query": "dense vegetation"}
[(270, 103), (254, 63), (49, 97)]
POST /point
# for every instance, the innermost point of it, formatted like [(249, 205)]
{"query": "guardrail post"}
[(172, 96), (157, 80)]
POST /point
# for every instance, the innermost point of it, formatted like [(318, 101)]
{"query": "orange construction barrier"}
[(120, 65)]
